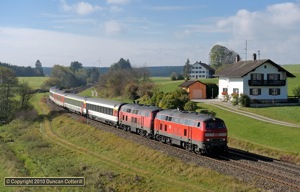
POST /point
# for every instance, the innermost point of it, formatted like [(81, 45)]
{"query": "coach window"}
[(123, 117), (160, 127), (184, 132), (126, 117), (166, 127)]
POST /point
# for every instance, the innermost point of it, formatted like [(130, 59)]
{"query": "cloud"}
[(22, 46), (120, 2), (81, 8), (113, 27), (274, 31)]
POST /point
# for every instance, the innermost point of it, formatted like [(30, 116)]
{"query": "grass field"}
[(34, 82), (293, 82), (166, 85), (266, 138), (66, 147)]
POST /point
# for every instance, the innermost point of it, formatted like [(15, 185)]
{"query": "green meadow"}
[(34, 82)]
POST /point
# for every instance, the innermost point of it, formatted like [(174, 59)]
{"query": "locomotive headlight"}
[(207, 139)]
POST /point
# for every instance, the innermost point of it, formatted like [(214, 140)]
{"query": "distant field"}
[(293, 82), (34, 82), (167, 85)]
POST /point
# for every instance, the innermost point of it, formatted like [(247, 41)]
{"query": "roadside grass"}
[(33, 82), (266, 138), (282, 113), (65, 147)]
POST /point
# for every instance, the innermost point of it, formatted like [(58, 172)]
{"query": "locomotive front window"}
[(215, 124)]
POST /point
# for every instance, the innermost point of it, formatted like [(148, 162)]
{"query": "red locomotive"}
[(193, 131)]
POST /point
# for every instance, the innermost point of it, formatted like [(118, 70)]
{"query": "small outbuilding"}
[(195, 88)]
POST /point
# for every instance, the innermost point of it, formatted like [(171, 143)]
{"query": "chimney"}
[(254, 56), (237, 58)]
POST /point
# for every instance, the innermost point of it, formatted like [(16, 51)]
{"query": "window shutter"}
[(270, 91), (278, 91), (259, 91)]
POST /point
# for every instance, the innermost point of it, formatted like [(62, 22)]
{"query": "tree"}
[(190, 106), (173, 76), (39, 68), (8, 88), (174, 100), (123, 80), (296, 92), (75, 66), (220, 55), (121, 64), (25, 92), (65, 75), (186, 69), (93, 75)]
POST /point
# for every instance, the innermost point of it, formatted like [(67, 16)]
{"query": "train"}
[(197, 132)]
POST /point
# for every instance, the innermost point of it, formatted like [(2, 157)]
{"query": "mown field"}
[(34, 82), (56, 145)]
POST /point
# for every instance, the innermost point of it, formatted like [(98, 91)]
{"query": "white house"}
[(201, 71), (261, 80)]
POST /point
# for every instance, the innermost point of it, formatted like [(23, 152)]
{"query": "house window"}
[(257, 76), (273, 76), (225, 91), (274, 91), (255, 91), (236, 90)]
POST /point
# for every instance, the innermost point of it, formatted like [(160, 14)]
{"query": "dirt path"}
[(228, 107)]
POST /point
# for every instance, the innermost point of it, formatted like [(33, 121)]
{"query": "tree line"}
[(21, 71), (73, 76)]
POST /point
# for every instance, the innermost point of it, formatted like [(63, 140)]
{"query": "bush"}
[(235, 98), (190, 106), (173, 76), (296, 92), (244, 100)]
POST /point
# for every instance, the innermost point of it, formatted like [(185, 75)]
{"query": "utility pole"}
[(246, 49)]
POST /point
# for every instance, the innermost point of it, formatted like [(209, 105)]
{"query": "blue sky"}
[(148, 33)]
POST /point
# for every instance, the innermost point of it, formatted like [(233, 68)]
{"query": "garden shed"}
[(195, 88)]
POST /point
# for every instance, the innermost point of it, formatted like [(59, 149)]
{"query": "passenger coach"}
[(75, 103), (103, 110), (57, 96)]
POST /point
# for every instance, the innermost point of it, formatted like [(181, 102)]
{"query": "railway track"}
[(263, 172), (257, 165)]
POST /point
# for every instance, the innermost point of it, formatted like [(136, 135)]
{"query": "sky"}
[(147, 32)]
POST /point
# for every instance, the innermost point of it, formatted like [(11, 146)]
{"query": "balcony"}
[(267, 82)]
